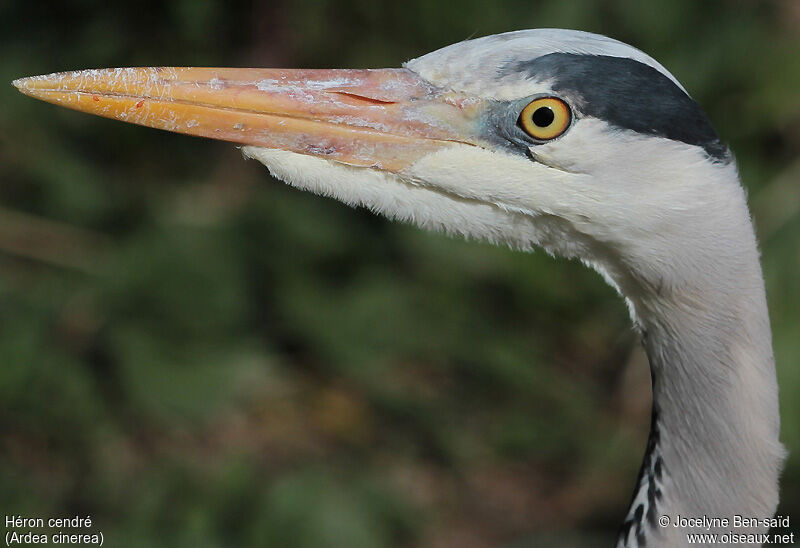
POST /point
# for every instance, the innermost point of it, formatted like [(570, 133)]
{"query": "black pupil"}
[(543, 116)]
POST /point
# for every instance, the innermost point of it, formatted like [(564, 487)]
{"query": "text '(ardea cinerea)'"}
[(566, 140)]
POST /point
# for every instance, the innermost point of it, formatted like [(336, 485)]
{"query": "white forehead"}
[(473, 66)]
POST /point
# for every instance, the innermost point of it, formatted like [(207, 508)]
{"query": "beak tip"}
[(22, 84)]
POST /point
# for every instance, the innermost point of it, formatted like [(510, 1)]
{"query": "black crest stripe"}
[(627, 94)]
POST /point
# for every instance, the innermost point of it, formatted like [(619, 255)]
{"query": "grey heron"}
[(564, 140)]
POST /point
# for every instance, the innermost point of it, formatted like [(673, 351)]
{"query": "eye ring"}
[(545, 118)]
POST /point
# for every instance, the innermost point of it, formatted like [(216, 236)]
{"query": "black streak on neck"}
[(649, 479)]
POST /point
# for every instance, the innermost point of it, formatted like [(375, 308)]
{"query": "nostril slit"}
[(363, 99)]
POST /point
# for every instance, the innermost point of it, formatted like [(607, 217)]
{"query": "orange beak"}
[(385, 118)]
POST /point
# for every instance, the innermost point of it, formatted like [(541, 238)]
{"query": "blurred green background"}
[(197, 355)]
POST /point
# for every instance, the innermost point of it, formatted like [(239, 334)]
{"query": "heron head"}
[(561, 139)]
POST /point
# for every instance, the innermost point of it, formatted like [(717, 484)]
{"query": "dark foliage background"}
[(196, 355)]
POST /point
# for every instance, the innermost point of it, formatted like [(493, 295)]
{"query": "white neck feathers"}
[(714, 450)]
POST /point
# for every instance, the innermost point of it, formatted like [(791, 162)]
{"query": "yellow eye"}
[(545, 118)]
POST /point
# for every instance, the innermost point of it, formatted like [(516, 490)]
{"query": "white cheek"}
[(510, 181), (588, 146), (398, 197)]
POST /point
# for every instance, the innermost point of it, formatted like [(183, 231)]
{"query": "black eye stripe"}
[(625, 93)]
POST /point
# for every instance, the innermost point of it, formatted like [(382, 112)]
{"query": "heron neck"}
[(713, 449)]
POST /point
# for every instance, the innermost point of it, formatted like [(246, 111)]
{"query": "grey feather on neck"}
[(714, 450)]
